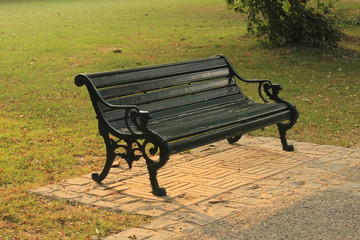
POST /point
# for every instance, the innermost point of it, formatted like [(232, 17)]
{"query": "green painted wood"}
[(199, 105), (173, 112), (212, 119), (108, 79), (172, 92), (116, 118), (190, 98), (223, 133), (191, 122), (151, 85)]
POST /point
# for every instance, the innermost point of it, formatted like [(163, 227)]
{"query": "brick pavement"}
[(213, 182)]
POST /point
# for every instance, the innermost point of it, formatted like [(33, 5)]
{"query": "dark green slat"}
[(199, 105), (168, 93), (209, 119), (188, 105), (108, 79), (199, 110), (116, 117), (123, 90), (195, 124), (189, 99), (185, 100), (220, 134)]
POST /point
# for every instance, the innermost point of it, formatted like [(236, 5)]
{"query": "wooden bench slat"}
[(212, 119), (192, 123), (172, 106), (224, 97), (201, 109), (108, 79), (146, 86), (169, 109), (181, 91), (173, 92), (210, 137), (116, 118)]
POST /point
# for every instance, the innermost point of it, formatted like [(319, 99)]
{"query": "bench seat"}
[(211, 124)]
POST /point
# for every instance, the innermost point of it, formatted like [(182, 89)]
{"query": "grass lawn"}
[(48, 131)]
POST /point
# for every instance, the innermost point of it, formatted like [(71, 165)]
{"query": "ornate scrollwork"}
[(271, 90), (136, 120), (142, 142), (133, 149), (127, 150), (151, 148)]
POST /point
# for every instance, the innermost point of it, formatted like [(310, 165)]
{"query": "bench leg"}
[(150, 148), (234, 139), (282, 131), (156, 189), (111, 145)]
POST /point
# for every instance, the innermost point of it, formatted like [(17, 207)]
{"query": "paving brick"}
[(79, 181), (193, 179), (140, 192), (161, 235), (204, 162), (181, 187), (83, 199), (171, 174), (99, 192), (206, 190), (133, 233), (197, 219), (355, 153)]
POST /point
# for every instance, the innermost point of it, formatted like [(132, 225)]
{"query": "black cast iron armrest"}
[(271, 90), (133, 117), (131, 111)]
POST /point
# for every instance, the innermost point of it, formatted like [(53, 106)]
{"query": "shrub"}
[(290, 21)]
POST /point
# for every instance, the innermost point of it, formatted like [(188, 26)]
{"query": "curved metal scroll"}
[(148, 148), (138, 119), (271, 90)]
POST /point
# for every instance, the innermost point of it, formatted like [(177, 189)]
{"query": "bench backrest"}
[(167, 89)]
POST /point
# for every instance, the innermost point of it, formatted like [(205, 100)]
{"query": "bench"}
[(153, 112)]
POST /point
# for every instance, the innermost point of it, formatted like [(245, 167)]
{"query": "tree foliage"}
[(290, 21)]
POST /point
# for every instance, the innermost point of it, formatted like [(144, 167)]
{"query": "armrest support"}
[(140, 119), (271, 90), (136, 120)]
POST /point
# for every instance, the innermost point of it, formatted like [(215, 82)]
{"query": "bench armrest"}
[(133, 116), (271, 90), (136, 120), (144, 117)]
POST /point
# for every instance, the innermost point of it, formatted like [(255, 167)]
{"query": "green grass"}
[(48, 131)]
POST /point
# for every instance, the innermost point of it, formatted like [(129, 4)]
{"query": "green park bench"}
[(153, 112)]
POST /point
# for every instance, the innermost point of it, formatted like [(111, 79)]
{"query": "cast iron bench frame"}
[(193, 103)]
